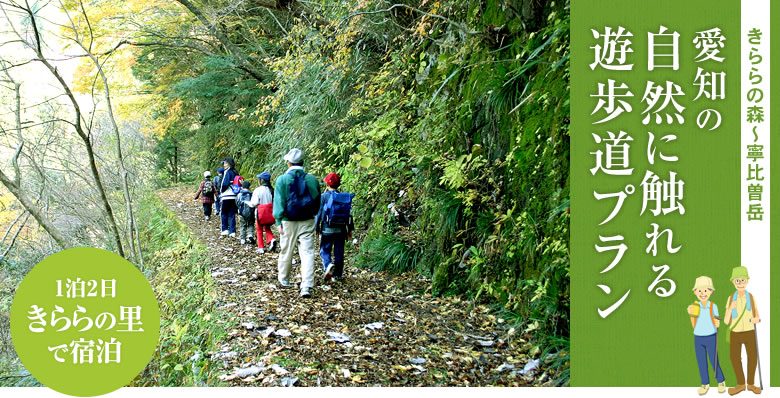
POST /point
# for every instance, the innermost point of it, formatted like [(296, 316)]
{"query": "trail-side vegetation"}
[(447, 118)]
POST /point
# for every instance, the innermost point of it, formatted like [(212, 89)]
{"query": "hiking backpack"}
[(244, 209), (236, 185), (338, 209), (208, 188), (300, 205)]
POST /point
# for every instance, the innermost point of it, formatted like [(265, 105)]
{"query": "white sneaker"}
[(284, 283), (305, 292), (260, 251), (703, 389), (233, 235), (329, 271), (208, 218), (243, 241), (224, 233)]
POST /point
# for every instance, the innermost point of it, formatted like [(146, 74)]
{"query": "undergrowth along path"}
[(370, 329)]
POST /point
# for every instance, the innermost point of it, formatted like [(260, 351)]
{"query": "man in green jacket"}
[(300, 231)]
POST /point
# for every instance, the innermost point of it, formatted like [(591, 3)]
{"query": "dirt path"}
[(371, 328)]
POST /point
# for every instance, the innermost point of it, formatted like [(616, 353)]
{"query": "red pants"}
[(268, 234)]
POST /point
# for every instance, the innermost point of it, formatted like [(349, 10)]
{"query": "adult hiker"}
[(206, 193), (296, 203), (742, 316), (217, 183), (228, 198), (706, 321)]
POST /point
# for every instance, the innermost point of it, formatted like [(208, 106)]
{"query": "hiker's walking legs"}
[(207, 209), (246, 228), (712, 352), (301, 234), (748, 339), (229, 215), (287, 241), (269, 235), (333, 244), (306, 251), (751, 349), (326, 245), (702, 350), (259, 232)]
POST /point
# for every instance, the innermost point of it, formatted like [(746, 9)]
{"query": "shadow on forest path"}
[(398, 333)]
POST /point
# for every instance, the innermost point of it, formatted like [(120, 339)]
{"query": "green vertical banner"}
[(775, 201), (655, 169)]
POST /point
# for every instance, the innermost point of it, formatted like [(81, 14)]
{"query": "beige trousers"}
[(300, 233)]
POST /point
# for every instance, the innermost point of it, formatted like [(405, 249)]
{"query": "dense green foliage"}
[(179, 275), (448, 119)]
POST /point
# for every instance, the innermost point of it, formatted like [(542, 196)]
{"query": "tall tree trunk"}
[(37, 47), (175, 163), (135, 249), (14, 185)]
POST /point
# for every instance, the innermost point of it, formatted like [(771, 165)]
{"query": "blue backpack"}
[(300, 205), (338, 209)]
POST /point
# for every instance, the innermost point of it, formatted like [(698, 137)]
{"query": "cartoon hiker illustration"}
[(742, 317), (706, 320)]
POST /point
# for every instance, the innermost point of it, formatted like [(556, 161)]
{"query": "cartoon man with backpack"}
[(742, 317), (334, 222), (296, 202), (706, 320)]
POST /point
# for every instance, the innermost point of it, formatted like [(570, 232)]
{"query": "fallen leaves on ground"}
[(370, 328)]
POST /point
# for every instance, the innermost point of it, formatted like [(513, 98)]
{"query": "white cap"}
[(206, 173), (294, 156)]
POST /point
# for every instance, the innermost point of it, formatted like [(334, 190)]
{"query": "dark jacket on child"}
[(245, 197)]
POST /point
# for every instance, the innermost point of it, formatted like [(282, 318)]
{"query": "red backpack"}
[(236, 185)]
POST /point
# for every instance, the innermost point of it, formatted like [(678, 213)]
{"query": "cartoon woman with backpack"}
[(705, 320)]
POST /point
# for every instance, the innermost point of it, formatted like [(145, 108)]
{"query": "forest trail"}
[(371, 328)]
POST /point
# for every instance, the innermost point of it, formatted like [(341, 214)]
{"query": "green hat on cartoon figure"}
[(739, 272), (739, 277)]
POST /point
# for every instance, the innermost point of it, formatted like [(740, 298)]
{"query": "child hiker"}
[(206, 193), (246, 212), (334, 222), (706, 320), (263, 200), (218, 182)]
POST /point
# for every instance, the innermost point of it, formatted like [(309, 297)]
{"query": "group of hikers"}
[(741, 317), (295, 204)]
